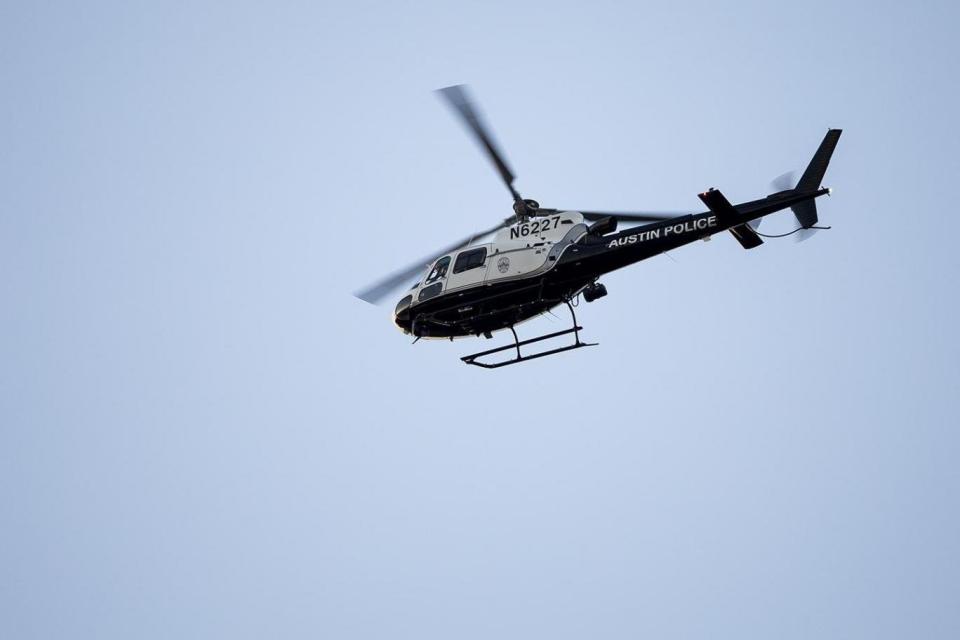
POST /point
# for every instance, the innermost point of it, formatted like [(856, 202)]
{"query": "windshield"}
[(439, 270)]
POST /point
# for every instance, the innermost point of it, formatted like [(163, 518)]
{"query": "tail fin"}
[(806, 211), (811, 178)]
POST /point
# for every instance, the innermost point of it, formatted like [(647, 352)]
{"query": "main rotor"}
[(523, 208), (456, 96)]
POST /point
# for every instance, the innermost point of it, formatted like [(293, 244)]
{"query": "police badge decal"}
[(503, 264)]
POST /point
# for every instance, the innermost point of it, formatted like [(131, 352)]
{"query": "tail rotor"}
[(787, 182)]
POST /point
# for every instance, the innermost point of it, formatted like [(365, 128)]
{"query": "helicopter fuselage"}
[(534, 266), (551, 256)]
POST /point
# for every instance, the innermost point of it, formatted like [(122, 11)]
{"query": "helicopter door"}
[(434, 284), (469, 268)]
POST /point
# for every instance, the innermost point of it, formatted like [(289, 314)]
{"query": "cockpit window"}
[(430, 291), (439, 270)]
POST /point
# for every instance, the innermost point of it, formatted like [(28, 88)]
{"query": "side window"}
[(439, 270), (470, 260), (428, 292)]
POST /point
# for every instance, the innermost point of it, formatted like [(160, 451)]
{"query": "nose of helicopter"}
[(402, 320), (401, 315)]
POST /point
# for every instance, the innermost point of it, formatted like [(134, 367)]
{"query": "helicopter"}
[(540, 258)]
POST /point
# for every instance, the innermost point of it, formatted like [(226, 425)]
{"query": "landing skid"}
[(575, 330)]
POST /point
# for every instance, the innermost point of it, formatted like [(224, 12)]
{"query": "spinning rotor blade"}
[(376, 292), (634, 217), (622, 216), (804, 234), (456, 96), (785, 182)]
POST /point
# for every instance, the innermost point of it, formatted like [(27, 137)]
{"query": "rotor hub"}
[(526, 208)]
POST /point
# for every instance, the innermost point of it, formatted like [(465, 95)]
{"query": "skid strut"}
[(575, 330)]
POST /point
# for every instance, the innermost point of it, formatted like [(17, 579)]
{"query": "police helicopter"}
[(540, 258)]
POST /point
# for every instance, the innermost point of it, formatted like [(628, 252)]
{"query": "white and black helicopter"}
[(541, 258)]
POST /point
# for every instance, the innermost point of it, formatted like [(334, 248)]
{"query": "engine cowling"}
[(603, 226)]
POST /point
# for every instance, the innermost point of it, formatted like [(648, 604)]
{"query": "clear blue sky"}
[(204, 435)]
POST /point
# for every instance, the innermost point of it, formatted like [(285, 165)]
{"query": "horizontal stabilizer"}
[(746, 236), (719, 204), (727, 213)]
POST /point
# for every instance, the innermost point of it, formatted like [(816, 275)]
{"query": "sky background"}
[(203, 434)]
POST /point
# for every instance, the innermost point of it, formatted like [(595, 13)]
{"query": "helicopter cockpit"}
[(439, 270), (432, 285)]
